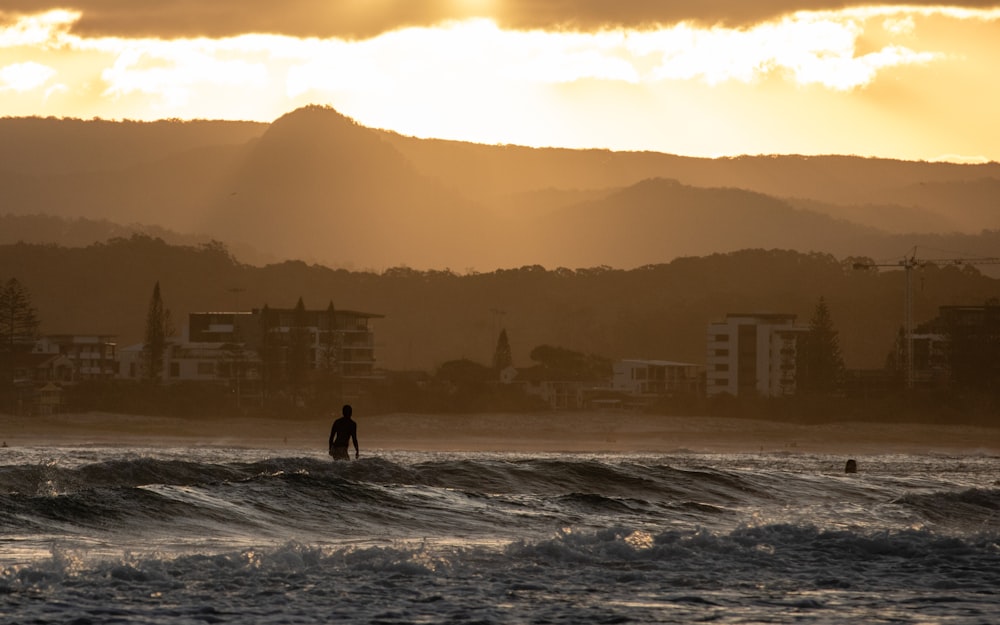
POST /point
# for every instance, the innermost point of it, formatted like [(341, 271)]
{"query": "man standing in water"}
[(344, 431)]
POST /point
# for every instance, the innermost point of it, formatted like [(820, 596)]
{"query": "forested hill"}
[(38, 146), (656, 311), (316, 185)]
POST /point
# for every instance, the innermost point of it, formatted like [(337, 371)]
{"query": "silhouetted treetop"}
[(819, 366), (502, 357), (567, 364), (19, 320)]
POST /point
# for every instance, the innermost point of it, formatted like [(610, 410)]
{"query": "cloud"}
[(24, 76), (362, 19), (34, 30), (174, 72), (888, 80), (808, 49)]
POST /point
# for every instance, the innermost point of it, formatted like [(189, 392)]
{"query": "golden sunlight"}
[(472, 80)]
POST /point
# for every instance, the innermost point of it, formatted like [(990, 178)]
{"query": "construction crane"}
[(909, 263)]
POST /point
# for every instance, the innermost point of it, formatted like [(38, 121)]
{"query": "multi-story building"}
[(93, 356), (38, 374), (752, 354), (930, 360), (970, 345), (342, 340), (655, 377), (224, 327), (255, 352)]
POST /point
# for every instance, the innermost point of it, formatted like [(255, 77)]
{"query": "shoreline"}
[(579, 432)]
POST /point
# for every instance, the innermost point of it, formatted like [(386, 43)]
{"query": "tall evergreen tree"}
[(159, 328), (18, 318), (502, 356), (819, 364)]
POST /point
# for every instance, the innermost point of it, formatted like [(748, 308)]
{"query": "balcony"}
[(366, 342)]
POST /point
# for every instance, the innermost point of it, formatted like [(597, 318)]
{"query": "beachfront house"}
[(655, 378), (92, 356)]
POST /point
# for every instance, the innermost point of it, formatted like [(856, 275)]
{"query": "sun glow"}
[(472, 80), (43, 29), (24, 76)]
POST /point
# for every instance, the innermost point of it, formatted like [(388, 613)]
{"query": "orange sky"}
[(716, 77)]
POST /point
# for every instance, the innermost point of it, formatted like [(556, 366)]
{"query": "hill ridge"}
[(316, 185)]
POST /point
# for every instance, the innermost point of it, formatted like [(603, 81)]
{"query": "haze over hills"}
[(316, 186), (50, 146)]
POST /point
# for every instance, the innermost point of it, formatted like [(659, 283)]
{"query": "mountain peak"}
[(317, 124), (313, 113)]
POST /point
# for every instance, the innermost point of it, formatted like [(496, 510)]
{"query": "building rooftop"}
[(660, 363)]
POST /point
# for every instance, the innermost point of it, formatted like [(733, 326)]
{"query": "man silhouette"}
[(344, 431)]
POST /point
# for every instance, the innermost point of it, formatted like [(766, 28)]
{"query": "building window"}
[(722, 367), (175, 370), (722, 382), (722, 352), (722, 338), (206, 368)]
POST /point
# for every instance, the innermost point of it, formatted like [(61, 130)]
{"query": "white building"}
[(252, 352), (94, 356), (655, 377), (130, 360), (343, 339), (221, 363), (752, 354)]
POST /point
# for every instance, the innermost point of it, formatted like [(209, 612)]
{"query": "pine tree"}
[(501, 356), (819, 366), (18, 318), (159, 328)]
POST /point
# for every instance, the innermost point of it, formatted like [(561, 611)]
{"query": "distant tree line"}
[(437, 324), (654, 311)]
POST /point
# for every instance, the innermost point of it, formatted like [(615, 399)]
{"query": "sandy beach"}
[(548, 432)]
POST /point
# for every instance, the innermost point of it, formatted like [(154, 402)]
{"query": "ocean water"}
[(230, 535)]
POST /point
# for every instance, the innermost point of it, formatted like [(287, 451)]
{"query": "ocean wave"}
[(287, 494), (236, 535), (774, 554), (971, 508), (491, 476)]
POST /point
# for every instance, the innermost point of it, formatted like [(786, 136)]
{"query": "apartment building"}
[(655, 377), (234, 346), (92, 356), (340, 339), (752, 354)]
